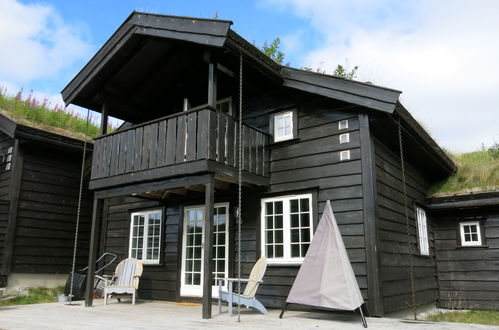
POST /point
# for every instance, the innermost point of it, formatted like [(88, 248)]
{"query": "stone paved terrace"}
[(167, 315)]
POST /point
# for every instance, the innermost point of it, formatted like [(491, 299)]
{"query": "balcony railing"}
[(197, 134)]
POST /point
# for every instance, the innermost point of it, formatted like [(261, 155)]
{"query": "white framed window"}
[(225, 105), (470, 233), (424, 247), (145, 236), (344, 138), (286, 228), (345, 155), (343, 124), (8, 158), (283, 126)]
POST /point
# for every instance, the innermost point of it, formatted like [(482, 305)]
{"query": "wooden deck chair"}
[(248, 297), (125, 279)]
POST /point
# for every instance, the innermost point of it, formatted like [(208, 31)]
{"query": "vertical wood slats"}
[(204, 134)]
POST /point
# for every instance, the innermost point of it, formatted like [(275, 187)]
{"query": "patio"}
[(168, 315)]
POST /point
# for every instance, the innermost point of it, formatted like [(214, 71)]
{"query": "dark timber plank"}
[(212, 137), (181, 135), (253, 151), (202, 134), (230, 141), (138, 149), (153, 145), (146, 145), (161, 143), (123, 153), (208, 251), (107, 157), (191, 137), (221, 137), (171, 141), (114, 155), (130, 155)]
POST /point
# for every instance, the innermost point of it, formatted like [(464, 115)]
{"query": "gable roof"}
[(16, 130)]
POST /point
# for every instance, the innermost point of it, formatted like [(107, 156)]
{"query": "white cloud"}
[(36, 43), (443, 55)]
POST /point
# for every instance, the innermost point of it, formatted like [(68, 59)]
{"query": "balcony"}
[(201, 140)]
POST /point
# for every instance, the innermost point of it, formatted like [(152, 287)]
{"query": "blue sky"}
[(441, 54)]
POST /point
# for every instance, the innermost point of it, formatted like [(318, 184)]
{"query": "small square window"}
[(343, 124), (470, 233), (283, 126), (344, 138), (345, 155)]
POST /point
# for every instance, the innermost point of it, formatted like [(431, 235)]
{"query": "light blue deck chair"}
[(248, 297), (125, 280)]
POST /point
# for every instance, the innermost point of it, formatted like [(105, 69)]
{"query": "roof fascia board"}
[(8, 126), (373, 97), (37, 135)]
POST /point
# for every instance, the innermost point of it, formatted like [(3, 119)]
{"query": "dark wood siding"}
[(394, 261), (4, 212), (157, 281), (308, 164), (469, 276), (46, 218), (5, 143)]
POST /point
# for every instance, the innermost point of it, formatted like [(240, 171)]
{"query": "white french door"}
[(192, 248)]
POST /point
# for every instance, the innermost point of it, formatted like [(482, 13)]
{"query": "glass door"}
[(192, 249)]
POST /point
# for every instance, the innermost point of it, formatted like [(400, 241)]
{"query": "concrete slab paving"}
[(168, 315)]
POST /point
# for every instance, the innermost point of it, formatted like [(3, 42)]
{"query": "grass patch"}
[(477, 172), (489, 317), (31, 112), (35, 296)]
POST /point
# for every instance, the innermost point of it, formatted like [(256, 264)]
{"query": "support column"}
[(208, 248), (212, 84), (92, 255), (103, 120)]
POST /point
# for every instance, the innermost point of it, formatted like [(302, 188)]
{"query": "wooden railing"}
[(198, 134)]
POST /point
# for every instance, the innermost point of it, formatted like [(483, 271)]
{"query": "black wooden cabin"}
[(307, 138), (39, 187)]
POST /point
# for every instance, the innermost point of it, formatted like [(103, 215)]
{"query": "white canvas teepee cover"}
[(326, 277)]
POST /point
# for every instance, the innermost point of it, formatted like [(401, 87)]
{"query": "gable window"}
[(286, 228), (344, 138), (283, 126), (345, 155), (470, 233), (145, 236), (424, 247), (343, 124), (8, 158)]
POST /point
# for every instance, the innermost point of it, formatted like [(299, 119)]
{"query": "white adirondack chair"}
[(125, 279), (248, 297)]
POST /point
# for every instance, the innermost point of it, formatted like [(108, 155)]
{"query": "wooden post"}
[(92, 255), (103, 120), (208, 247), (212, 84), (15, 188)]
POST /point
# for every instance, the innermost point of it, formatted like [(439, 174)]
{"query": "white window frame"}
[(422, 224), (286, 222), (478, 232), (344, 138), (226, 100), (144, 259), (284, 137), (343, 124), (344, 155)]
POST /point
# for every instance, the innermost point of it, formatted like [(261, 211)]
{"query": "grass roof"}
[(31, 112), (477, 172)]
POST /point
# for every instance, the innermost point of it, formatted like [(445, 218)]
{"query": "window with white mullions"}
[(470, 233), (219, 243), (145, 236), (286, 228), (424, 248), (283, 126)]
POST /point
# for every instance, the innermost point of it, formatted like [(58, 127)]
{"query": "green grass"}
[(35, 296), (30, 111), (489, 317), (477, 172)]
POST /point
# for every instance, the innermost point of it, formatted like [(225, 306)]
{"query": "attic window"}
[(343, 124), (8, 159), (345, 138), (470, 233), (283, 126), (345, 155)]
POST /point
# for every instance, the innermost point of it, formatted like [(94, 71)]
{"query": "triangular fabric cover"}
[(326, 278)]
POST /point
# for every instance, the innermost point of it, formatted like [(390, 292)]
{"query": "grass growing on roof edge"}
[(477, 172), (35, 296), (32, 112), (489, 317)]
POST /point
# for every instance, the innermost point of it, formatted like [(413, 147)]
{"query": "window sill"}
[(283, 142), (472, 247), (284, 263)]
